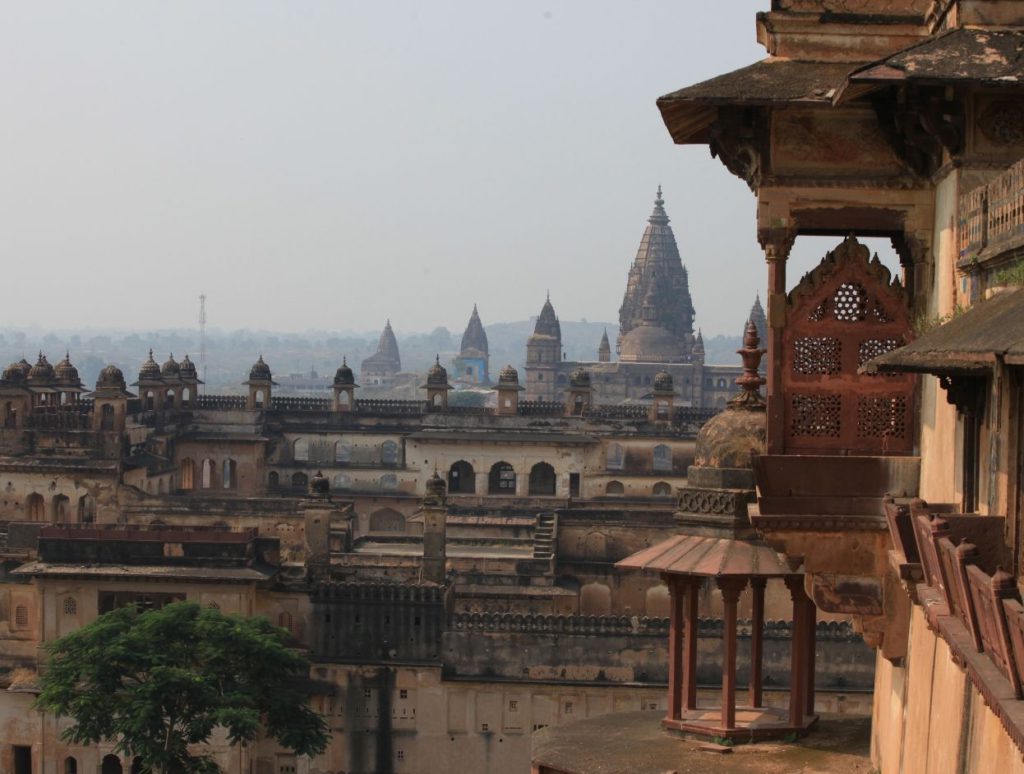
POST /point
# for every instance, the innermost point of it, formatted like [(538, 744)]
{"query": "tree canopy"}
[(157, 682)]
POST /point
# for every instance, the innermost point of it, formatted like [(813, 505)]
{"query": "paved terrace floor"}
[(634, 743)]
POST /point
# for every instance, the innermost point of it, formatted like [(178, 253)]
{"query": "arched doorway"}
[(111, 765), (595, 599), (502, 479), (35, 509), (542, 479), (61, 509), (188, 473), (387, 520), (614, 488), (461, 478)]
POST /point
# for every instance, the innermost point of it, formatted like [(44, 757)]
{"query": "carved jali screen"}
[(843, 313)]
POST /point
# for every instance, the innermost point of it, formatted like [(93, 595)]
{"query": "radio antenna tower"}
[(202, 334)]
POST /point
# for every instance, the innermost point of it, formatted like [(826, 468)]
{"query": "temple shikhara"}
[(809, 559)]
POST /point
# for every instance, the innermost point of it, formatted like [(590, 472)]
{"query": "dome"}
[(16, 373), (726, 440), (171, 367), (260, 371), (663, 381), (579, 378), (436, 487), (110, 377), (344, 377), (319, 484), (508, 375), (187, 369), (150, 370), (42, 371), (66, 372), (437, 376), (650, 344)]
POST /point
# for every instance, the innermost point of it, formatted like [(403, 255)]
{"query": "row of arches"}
[(596, 599), (661, 457), (208, 474), (300, 480), (660, 489), (502, 479), (315, 450), (60, 510), (168, 400)]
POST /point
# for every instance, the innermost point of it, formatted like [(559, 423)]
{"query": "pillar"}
[(757, 640), (692, 586), (675, 646), (776, 252), (731, 588), (810, 625), (798, 652)]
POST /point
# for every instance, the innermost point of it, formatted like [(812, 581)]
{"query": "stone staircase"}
[(544, 537)]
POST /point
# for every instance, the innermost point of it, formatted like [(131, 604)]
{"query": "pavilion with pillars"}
[(717, 542)]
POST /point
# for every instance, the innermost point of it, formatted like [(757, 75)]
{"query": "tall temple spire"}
[(604, 349), (657, 277)]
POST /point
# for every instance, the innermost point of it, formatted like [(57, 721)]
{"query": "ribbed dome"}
[(547, 323), (42, 371), (187, 369), (579, 378), (437, 376), (66, 373), (16, 373), (650, 344), (111, 377), (260, 371), (170, 367), (508, 375), (150, 370), (344, 377), (663, 381)]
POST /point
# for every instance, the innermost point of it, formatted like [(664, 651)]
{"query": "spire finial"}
[(657, 199), (344, 360)]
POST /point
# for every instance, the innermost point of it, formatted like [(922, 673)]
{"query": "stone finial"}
[(751, 380), (436, 490)]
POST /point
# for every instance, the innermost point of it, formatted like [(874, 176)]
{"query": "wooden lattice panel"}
[(845, 312)]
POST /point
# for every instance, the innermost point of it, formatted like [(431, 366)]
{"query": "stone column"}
[(798, 652), (776, 251), (731, 588), (675, 647), (757, 640), (692, 587)]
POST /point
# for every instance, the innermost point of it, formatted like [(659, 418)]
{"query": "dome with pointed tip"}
[(547, 322), (16, 373), (150, 370), (42, 371), (66, 373), (187, 369), (508, 375), (436, 487), (663, 381), (344, 377), (579, 378), (475, 338), (111, 377), (170, 368), (437, 376), (260, 371)]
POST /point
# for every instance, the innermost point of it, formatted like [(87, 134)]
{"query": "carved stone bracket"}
[(737, 140), (967, 393)]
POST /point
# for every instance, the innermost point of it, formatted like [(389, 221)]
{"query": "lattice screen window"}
[(871, 348), (816, 415), (851, 302), (819, 311), (882, 416), (817, 355)]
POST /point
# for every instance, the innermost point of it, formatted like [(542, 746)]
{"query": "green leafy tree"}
[(157, 682)]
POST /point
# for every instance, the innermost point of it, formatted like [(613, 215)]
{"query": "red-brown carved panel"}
[(845, 312)]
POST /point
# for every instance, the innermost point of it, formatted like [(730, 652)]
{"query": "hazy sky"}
[(329, 164)]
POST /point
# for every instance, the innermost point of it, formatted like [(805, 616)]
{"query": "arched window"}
[(342, 452), (656, 601), (300, 479), (188, 473), (70, 606), (662, 461), (70, 765), (614, 457), (169, 399), (461, 478), (259, 398), (721, 384), (542, 479), (389, 482), (111, 765), (662, 489), (35, 510), (389, 453), (274, 479), (341, 481), (208, 471), (87, 509), (229, 469), (107, 417), (502, 479), (149, 401), (387, 520), (61, 509), (300, 450), (614, 488), (186, 395), (595, 599)]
